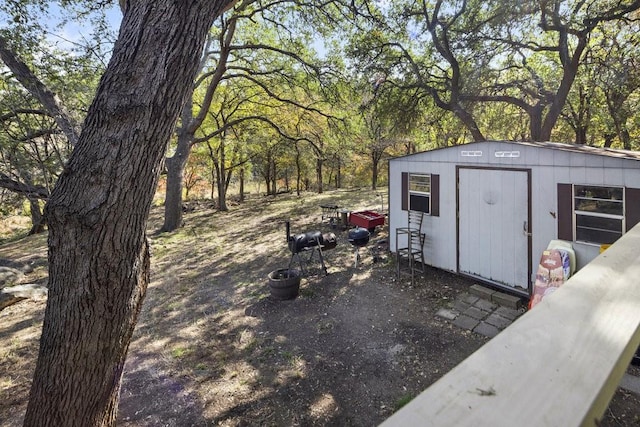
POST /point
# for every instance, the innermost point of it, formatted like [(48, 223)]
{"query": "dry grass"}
[(14, 227), (212, 348)]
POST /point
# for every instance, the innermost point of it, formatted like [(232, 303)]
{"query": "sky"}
[(77, 32)]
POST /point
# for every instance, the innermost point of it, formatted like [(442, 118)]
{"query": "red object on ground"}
[(366, 219)]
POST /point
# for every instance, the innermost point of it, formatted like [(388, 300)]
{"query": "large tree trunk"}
[(581, 134), (222, 191), (37, 219), (98, 211), (469, 122), (266, 174), (186, 135), (626, 139), (608, 139), (319, 174), (221, 178), (241, 189), (569, 71), (620, 115), (375, 160), (298, 170), (274, 175), (175, 183), (535, 122)]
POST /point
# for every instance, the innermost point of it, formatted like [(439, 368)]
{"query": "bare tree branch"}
[(38, 89), (17, 111), (233, 123), (30, 191)]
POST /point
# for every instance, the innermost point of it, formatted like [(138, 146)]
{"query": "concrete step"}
[(497, 297)]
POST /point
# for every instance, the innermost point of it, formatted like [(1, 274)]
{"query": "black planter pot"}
[(284, 283)]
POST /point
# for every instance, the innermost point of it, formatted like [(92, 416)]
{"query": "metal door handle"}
[(525, 229)]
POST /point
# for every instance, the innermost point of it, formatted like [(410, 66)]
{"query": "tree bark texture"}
[(319, 163), (175, 182), (375, 160), (37, 219), (97, 213), (298, 170), (274, 174)]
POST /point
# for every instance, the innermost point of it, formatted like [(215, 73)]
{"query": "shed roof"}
[(584, 149)]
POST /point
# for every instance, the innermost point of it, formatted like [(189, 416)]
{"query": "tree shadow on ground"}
[(213, 348)]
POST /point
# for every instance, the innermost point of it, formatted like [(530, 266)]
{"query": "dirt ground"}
[(213, 348)]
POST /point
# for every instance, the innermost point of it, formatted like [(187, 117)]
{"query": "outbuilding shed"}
[(491, 208)]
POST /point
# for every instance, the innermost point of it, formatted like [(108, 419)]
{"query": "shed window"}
[(599, 213), (420, 193)]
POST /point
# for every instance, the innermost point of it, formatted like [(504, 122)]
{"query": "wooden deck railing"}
[(557, 365)]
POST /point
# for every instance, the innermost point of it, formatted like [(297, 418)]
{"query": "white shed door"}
[(493, 225)]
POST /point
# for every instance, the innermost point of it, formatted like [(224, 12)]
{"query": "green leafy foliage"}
[(313, 96)]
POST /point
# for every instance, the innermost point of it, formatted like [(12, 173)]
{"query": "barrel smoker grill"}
[(312, 242)]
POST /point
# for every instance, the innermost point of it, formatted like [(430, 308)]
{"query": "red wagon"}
[(366, 219)]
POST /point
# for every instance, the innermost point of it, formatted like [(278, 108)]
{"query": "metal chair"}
[(415, 239), (330, 213)]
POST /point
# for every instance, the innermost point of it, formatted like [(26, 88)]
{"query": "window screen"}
[(599, 213), (420, 193)]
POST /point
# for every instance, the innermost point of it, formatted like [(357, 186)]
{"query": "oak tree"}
[(98, 210)]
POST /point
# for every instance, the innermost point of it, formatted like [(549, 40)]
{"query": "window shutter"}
[(631, 207), (405, 191), (565, 212), (435, 195)]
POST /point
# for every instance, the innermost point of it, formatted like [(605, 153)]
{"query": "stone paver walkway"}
[(487, 312), (483, 311)]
